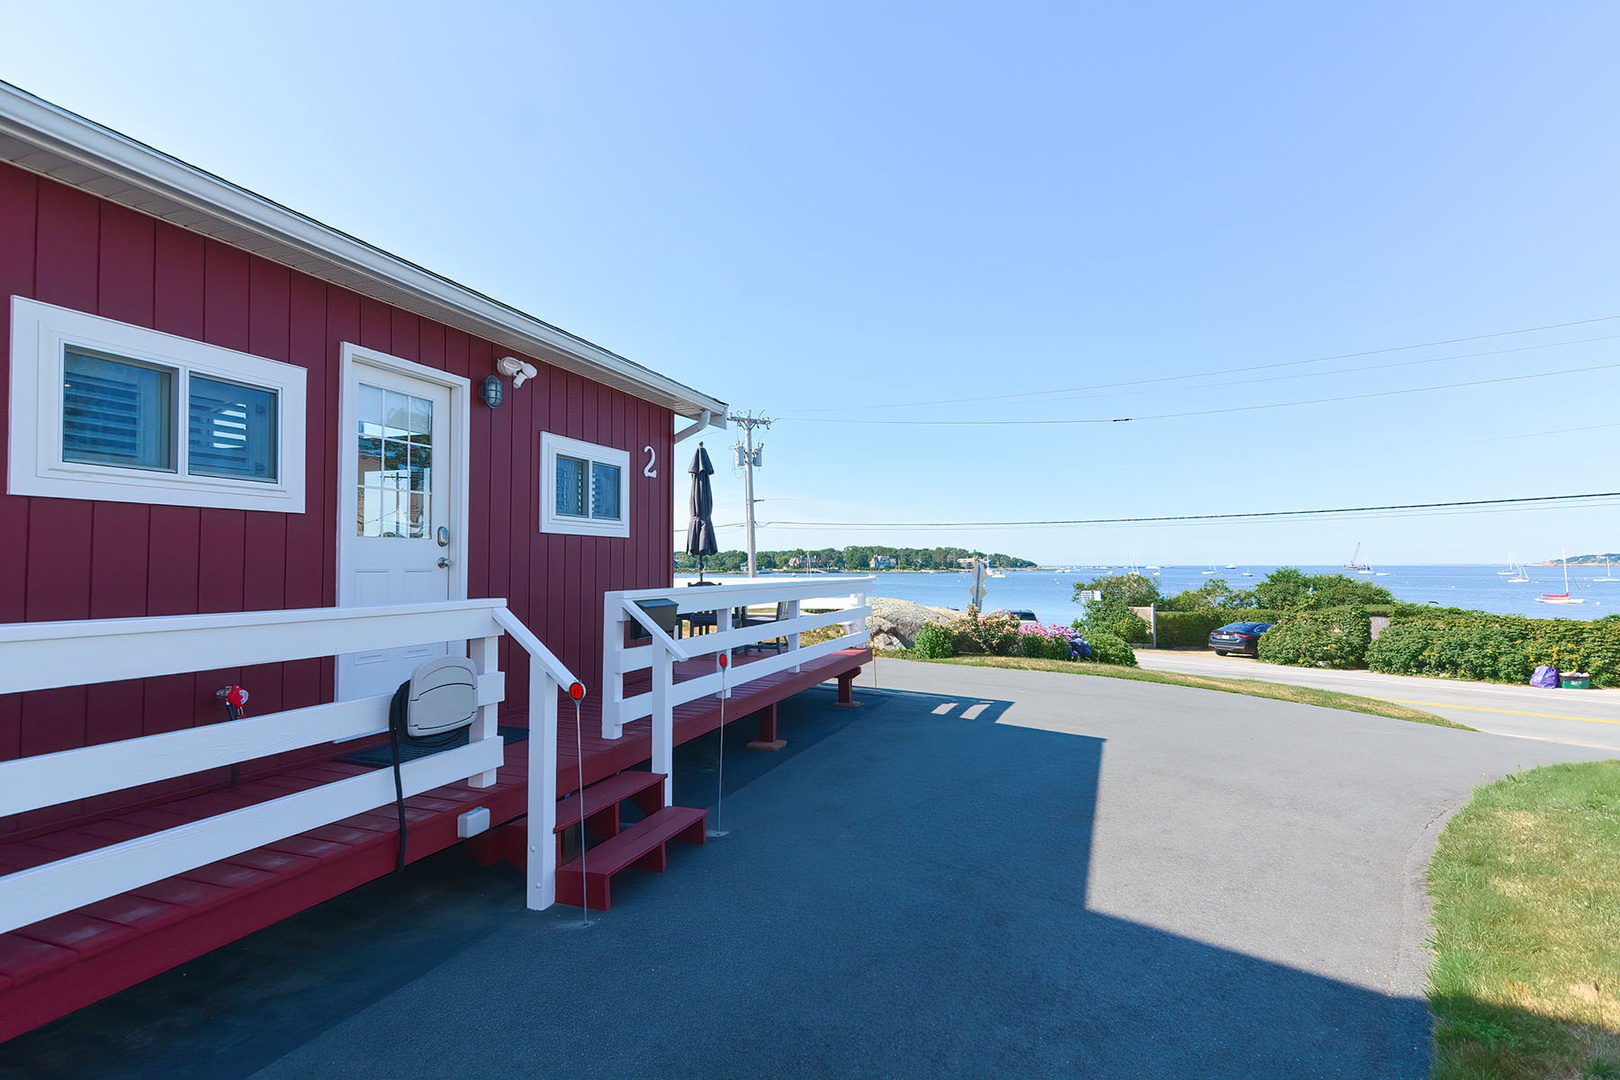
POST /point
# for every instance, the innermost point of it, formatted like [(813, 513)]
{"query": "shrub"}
[(1403, 649), (934, 641), (1051, 643), (1109, 648), (1114, 617), (1334, 638), (996, 633), (1478, 645)]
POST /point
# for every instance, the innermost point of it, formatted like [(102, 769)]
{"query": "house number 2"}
[(650, 469)]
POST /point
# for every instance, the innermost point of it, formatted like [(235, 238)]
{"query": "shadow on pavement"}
[(902, 893)]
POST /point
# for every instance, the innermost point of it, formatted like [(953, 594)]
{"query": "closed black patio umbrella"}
[(700, 534)]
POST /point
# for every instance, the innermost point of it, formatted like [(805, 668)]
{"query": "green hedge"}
[(1334, 638), (1502, 648), (1193, 627)]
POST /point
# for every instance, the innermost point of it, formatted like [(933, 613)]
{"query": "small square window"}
[(583, 488)]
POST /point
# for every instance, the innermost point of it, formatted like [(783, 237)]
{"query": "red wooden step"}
[(608, 794), (642, 845)]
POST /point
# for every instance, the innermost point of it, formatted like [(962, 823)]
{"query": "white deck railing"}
[(39, 656), (658, 651)]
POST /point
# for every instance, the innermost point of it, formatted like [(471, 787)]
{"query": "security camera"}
[(516, 369)]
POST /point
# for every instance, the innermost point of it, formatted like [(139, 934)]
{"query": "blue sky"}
[(829, 213)]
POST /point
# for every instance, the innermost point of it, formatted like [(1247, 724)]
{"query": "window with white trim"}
[(109, 411), (582, 487)]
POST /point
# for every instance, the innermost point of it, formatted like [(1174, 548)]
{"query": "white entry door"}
[(399, 537)]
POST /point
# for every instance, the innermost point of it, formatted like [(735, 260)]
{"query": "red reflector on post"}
[(576, 691)]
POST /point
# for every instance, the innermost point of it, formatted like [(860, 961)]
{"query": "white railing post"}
[(485, 655), (663, 721), (722, 623), (542, 853), (793, 638), (612, 669)]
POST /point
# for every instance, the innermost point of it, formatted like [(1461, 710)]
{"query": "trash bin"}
[(1574, 680)]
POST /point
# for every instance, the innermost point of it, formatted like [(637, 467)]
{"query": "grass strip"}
[(1526, 888), (1300, 695)]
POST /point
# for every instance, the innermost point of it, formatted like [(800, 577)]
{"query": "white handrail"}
[(659, 651), (36, 656), (521, 634)]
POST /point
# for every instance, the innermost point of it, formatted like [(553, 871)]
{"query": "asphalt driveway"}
[(977, 873)]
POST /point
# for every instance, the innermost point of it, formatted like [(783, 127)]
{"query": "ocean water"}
[(1049, 594)]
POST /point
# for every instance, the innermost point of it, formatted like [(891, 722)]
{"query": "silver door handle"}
[(444, 563)]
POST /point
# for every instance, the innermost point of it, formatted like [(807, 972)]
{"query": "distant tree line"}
[(857, 557)]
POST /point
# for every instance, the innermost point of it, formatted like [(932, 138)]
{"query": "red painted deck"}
[(52, 967)]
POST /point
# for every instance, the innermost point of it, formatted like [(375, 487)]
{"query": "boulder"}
[(898, 621)]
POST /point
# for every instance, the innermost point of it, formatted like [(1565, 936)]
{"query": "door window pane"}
[(233, 431), (395, 465), (116, 412), (604, 491)]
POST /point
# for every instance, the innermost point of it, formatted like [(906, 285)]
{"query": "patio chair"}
[(742, 618)]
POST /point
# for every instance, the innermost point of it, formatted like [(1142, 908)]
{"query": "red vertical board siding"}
[(309, 534), (376, 325), (175, 531), (402, 338), (552, 614), (521, 528), (19, 195), (264, 555), (66, 259), (111, 559)]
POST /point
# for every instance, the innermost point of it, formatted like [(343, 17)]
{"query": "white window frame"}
[(551, 446), (40, 336)]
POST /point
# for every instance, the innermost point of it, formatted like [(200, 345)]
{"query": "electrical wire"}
[(1222, 411), (1022, 395), (1256, 515)]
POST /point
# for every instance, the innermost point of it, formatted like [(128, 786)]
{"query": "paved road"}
[(1578, 717), (976, 873)]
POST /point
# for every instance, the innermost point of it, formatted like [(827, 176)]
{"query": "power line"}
[(1218, 412), (1257, 515), (980, 399)]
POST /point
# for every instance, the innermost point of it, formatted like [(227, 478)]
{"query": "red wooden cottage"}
[(244, 449)]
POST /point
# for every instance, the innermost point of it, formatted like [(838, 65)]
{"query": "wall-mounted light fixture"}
[(491, 391), (516, 369)]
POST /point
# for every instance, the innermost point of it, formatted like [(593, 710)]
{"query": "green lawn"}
[(1526, 887)]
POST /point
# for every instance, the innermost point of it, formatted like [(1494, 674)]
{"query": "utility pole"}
[(750, 457)]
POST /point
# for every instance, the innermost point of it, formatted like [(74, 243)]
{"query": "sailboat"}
[(1563, 597), (1512, 568), (1246, 572), (1354, 564), (1608, 574), (1519, 576)]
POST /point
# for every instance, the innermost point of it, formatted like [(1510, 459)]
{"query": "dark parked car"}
[(1238, 637)]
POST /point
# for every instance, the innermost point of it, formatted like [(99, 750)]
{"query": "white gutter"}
[(53, 142), (702, 422)]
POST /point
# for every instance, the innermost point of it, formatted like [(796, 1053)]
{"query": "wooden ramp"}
[(50, 968)]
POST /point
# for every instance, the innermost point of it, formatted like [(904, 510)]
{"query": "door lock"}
[(443, 536), (444, 563)]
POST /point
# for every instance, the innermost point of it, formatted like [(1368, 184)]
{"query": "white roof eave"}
[(52, 142)]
